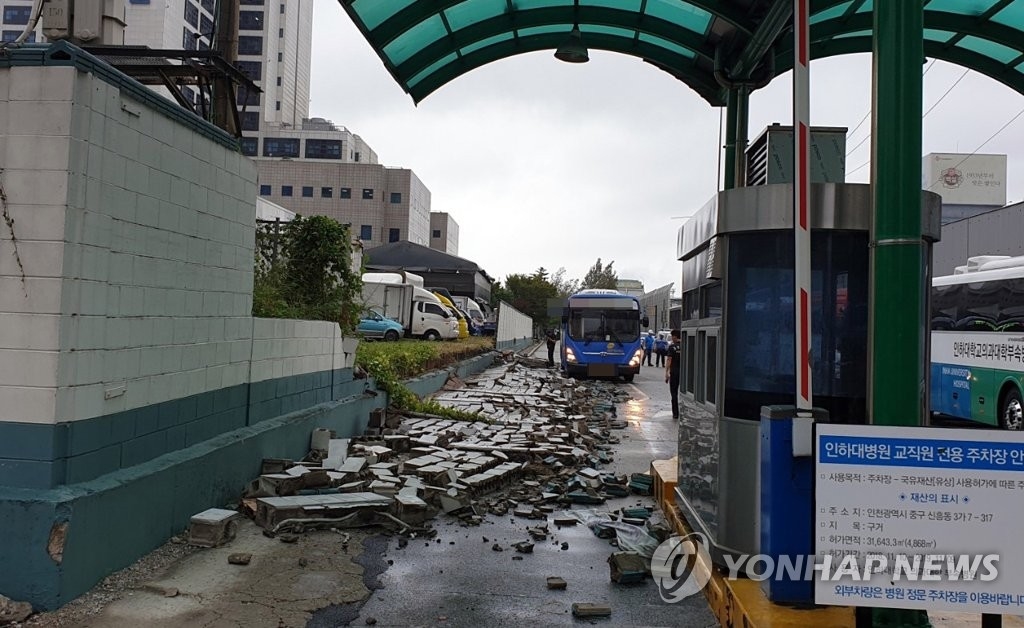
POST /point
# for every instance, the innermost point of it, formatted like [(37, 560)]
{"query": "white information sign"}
[(922, 518)]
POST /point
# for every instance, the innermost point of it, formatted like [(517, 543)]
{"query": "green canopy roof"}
[(427, 43)]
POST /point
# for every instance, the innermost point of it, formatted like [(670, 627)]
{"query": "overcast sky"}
[(544, 163)]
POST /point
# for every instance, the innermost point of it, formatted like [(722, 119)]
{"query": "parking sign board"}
[(921, 518)]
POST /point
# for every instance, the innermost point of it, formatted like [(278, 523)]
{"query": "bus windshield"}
[(616, 325)]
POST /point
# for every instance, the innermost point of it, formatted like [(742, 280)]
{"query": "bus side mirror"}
[(645, 322), (565, 315)]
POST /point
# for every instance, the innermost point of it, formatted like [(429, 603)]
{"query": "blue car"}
[(374, 326)]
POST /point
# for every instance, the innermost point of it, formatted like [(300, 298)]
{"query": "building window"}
[(189, 40), (366, 232), (250, 45), (138, 1), (323, 149), (252, 69), (286, 190), (345, 193), (205, 27), (356, 157), (209, 5), (278, 105), (188, 94), (201, 44), (396, 197), (280, 147), (279, 81), (307, 191), (192, 14), (255, 2), (368, 193), (251, 121), (282, 9), (265, 190), (280, 33), (436, 233), (245, 97), (250, 20), (393, 235), (326, 192), (17, 15), (12, 35), (249, 146), (280, 57)]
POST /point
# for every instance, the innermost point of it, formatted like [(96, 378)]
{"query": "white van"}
[(431, 320)]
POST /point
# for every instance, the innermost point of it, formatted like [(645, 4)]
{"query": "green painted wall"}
[(115, 518)]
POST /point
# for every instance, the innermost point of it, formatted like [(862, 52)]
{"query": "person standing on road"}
[(661, 349), (552, 338), (648, 347), (672, 371)]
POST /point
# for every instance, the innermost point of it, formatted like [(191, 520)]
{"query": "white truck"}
[(400, 297)]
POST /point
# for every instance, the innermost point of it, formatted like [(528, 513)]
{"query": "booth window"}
[(760, 358), (711, 300), (690, 363), (711, 366)]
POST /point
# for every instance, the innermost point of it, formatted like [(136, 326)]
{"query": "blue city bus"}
[(601, 334)]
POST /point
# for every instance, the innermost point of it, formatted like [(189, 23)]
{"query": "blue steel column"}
[(898, 280)]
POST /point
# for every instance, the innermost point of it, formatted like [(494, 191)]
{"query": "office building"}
[(444, 233)]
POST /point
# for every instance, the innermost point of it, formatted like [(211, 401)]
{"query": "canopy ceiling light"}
[(573, 50)]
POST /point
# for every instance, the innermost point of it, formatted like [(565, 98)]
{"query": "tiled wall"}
[(126, 329)]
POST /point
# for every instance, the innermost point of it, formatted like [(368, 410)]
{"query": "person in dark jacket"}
[(552, 338), (672, 364)]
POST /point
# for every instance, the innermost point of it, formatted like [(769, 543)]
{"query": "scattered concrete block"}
[(275, 465), (627, 567), (557, 584), (213, 527), (272, 510), (590, 609), (240, 558)]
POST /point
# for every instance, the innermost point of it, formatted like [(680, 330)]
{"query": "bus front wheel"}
[(1011, 412)]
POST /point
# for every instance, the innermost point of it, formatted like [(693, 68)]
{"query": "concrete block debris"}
[(354, 507), (239, 558), (590, 609), (275, 465), (213, 527), (557, 584), (540, 445), (523, 547), (641, 483), (627, 567)]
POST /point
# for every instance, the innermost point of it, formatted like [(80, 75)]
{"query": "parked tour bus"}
[(601, 334), (977, 348)]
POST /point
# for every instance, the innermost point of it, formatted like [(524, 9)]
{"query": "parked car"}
[(374, 326)]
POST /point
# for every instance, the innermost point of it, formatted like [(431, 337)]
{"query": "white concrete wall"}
[(513, 325), (135, 234)]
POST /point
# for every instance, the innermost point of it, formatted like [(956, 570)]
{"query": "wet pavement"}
[(458, 579)]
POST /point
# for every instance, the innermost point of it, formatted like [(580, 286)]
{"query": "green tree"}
[(601, 276), (304, 270), (564, 286), (530, 295)]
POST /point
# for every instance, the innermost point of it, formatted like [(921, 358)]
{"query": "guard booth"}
[(737, 323)]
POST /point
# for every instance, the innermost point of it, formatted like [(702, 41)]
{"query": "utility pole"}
[(225, 107)]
